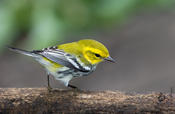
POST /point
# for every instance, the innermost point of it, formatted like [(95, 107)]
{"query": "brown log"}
[(40, 100)]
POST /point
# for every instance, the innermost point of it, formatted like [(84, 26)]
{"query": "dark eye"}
[(97, 55)]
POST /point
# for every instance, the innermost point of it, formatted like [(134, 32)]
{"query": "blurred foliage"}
[(39, 23)]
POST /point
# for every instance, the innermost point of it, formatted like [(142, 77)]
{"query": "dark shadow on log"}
[(39, 101)]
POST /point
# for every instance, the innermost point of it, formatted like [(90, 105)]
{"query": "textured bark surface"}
[(39, 100)]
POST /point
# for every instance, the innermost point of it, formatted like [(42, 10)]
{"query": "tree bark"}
[(40, 100)]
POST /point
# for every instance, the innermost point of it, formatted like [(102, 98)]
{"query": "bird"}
[(70, 60)]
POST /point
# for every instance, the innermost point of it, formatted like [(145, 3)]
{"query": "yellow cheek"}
[(91, 59), (96, 61)]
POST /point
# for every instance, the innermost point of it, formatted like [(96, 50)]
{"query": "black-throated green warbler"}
[(70, 60)]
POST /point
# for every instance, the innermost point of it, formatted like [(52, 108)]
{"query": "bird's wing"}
[(63, 58)]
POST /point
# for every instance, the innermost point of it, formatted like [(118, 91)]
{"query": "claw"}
[(49, 88), (72, 86)]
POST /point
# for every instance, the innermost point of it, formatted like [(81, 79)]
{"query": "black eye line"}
[(97, 55)]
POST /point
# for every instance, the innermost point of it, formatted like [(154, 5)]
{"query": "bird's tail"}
[(28, 53)]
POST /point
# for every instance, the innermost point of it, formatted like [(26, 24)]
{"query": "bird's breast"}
[(64, 71)]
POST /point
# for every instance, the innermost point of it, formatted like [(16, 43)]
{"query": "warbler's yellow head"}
[(94, 51)]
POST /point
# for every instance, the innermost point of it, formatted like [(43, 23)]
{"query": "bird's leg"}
[(71, 86), (48, 83)]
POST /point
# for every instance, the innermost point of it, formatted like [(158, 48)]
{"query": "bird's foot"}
[(74, 87), (49, 88)]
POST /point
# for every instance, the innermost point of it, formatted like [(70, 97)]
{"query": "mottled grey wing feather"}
[(63, 58)]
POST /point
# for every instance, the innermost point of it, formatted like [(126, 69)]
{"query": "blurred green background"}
[(37, 24)]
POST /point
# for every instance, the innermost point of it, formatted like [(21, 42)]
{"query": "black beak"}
[(110, 59)]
